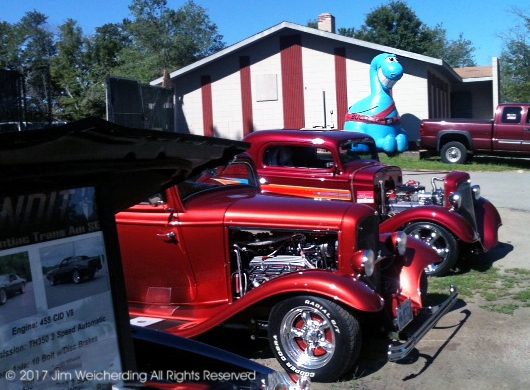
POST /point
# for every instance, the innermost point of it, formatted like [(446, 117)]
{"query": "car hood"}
[(270, 211), (93, 151), (369, 172)]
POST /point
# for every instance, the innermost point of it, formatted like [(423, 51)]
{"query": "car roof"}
[(305, 136)]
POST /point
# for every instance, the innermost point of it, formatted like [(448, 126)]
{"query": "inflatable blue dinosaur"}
[(376, 115)]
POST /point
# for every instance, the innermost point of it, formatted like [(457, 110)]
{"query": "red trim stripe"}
[(207, 105), (292, 81), (246, 95), (341, 83)]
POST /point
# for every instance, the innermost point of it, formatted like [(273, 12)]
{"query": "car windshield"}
[(357, 150), (235, 174)]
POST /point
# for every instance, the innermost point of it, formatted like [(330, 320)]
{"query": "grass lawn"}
[(498, 290), (479, 163)]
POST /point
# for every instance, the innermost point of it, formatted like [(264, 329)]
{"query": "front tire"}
[(76, 276), (453, 153), (3, 296), (438, 238), (314, 336)]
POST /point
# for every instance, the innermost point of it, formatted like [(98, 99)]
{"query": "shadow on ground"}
[(373, 356), (482, 262)]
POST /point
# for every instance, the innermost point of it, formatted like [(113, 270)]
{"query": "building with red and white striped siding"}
[(294, 77)]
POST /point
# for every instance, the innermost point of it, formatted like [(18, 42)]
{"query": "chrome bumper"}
[(399, 351)]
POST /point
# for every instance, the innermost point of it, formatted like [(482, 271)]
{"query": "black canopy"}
[(133, 163)]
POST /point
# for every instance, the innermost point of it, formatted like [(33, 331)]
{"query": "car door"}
[(525, 142), (155, 263), (508, 135)]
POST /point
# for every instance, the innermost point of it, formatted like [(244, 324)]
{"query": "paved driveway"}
[(510, 193)]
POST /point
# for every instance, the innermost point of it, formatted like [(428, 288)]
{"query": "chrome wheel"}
[(314, 336), (438, 238), (453, 153), (308, 337), (3, 296)]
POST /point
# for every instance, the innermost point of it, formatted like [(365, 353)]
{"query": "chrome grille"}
[(467, 209), (368, 238)]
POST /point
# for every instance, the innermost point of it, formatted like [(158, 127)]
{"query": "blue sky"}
[(480, 21)]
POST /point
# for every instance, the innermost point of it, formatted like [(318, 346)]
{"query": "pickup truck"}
[(455, 140)]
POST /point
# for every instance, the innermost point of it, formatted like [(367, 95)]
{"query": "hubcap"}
[(453, 154), (308, 337)]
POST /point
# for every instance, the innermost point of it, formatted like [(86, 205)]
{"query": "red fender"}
[(418, 256), (451, 220), (341, 288), (488, 223)]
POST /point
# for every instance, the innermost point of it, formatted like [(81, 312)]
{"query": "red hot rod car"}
[(340, 165), (307, 274)]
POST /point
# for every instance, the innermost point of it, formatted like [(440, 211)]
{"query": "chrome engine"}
[(263, 256), (412, 194)]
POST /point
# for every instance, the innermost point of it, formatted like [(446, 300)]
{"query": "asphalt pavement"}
[(509, 191)]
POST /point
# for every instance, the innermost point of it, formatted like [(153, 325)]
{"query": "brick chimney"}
[(326, 22)]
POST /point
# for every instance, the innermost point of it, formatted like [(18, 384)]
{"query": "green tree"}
[(106, 52), (346, 32), (515, 61), (38, 47), (70, 69), (313, 23), (10, 46), (65, 70), (81, 65), (167, 39), (397, 26)]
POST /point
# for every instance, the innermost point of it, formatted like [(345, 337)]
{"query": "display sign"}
[(58, 325)]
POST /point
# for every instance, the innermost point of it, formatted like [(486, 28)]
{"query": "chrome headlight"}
[(368, 261), (455, 200), (399, 242), (476, 192)]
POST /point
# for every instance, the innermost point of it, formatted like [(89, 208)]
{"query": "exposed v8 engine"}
[(260, 256), (412, 194)]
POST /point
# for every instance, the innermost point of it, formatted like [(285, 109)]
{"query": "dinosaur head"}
[(387, 68)]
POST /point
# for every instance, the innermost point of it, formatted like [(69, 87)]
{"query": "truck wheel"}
[(315, 337), (438, 238), (453, 153)]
